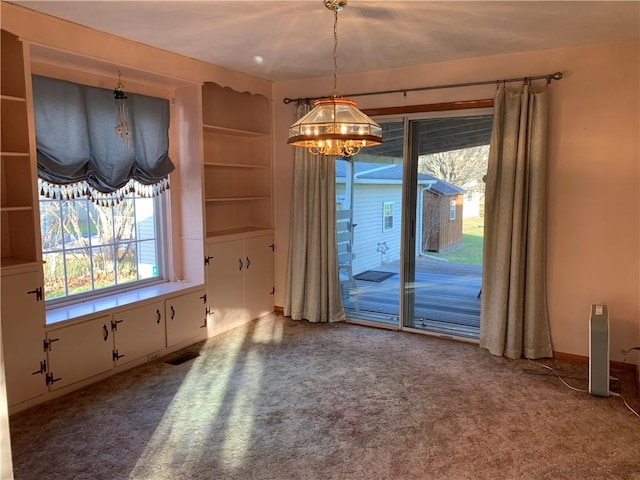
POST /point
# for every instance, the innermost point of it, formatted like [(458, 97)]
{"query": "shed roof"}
[(372, 173)]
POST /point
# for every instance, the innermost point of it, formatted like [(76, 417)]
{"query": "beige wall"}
[(594, 172)]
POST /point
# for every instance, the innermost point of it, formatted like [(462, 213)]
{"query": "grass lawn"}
[(470, 252)]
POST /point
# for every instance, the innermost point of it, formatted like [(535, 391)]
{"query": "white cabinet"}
[(259, 286), (23, 335), (186, 318), (239, 281), (79, 351), (137, 332)]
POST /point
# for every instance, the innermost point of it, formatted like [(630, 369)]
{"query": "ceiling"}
[(281, 40)]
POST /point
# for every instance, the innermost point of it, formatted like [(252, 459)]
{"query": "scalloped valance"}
[(79, 153)]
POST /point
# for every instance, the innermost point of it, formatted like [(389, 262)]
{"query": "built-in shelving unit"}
[(17, 173), (236, 135)]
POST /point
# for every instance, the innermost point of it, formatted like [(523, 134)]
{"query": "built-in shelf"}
[(234, 165), (11, 98), (237, 231), (233, 131), (14, 154), (6, 262), (237, 161), (19, 244), (25, 208), (236, 199)]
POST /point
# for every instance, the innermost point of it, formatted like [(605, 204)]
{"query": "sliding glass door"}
[(444, 227), (410, 224), (369, 209)]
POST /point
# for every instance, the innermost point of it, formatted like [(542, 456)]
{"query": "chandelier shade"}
[(335, 126)]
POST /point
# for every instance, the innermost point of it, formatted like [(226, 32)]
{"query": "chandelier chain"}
[(335, 53)]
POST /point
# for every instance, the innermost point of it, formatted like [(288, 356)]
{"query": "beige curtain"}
[(514, 320), (313, 285)]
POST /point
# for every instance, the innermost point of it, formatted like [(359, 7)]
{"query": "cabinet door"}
[(22, 337), (186, 318), (138, 332), (80, 351), (258, 289), (225, 285)]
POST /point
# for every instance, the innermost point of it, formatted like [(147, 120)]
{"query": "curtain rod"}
[(548, 78)]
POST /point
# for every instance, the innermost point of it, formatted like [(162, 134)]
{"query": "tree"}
[(95, 238), (465, 167)]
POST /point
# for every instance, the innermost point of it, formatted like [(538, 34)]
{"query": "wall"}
[(593, 182)]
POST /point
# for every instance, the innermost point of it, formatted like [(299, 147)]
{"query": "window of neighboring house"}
[(452, 210), (102, 230), (387, 216), (89, 248)]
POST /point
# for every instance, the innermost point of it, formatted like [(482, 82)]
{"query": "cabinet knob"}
[(239, 264), (248, 263), (173, 312), (105, 332), (158, 317)]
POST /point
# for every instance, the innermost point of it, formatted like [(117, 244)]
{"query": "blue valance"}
[(80, 154)]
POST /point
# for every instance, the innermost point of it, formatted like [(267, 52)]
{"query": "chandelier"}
[(335, 126)]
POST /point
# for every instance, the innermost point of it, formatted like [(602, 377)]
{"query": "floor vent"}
[(183, 358)]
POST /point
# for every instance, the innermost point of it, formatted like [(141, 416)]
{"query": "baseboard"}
[(278, 309), (613, 364)]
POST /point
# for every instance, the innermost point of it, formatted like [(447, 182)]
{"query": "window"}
[(387, 216), (101, 209), (89, 248), (452, 210)]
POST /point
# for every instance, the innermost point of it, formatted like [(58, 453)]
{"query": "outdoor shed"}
[(442, 216)]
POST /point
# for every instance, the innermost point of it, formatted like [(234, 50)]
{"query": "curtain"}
[(79, 153), (514, 319), (312, 289)]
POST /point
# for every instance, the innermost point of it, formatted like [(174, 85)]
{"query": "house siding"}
[(368, 234)]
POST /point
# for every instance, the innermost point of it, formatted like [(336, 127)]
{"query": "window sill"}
[(104, 305)]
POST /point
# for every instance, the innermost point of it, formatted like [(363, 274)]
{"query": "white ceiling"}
[(279, 40)]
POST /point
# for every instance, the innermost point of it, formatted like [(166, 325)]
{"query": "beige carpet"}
[(279, 399)]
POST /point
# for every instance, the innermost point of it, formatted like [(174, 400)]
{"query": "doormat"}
[(373, 276), (183, 358)]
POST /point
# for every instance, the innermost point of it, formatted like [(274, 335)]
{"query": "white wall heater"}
[(599, 351)]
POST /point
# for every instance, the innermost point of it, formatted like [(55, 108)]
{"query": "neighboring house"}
[(376, 193), (473, 204)]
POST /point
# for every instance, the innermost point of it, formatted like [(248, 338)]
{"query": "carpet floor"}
[(279, 399)]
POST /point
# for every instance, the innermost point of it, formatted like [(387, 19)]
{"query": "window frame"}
[(160, 203), (453, 206), (386, 216)]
